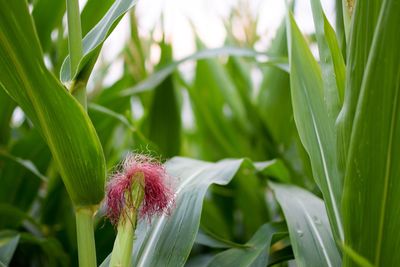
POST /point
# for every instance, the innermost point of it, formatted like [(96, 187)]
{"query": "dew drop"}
[(300, 232), (317, 220)]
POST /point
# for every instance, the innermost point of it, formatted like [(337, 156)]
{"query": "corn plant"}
[(300, 172)]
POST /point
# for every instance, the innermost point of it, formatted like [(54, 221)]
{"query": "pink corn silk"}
[(157, 196)]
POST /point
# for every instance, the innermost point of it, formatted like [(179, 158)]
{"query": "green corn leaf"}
[(116, 116), (96, 37), (337, 59), (18, 185), (93, 12), (331, 60), (47, 15), (57, 115), (157, 77), (7, 106), (212, 85), (275, 109), (13, 218), (49, 248), (27, 164), (8, 243), (313, 123), (212, 73), (340, 26), (168, 240), (212, 240), (164, 118), (347, 10), (362, 29), (309, 229), (273, 101), (372, 185), (283, 255), (256, 252)]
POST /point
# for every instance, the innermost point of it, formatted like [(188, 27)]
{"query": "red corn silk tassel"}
[(158, 195)]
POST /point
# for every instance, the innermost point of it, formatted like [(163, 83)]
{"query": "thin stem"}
[(123, 243), (78, 90), (122, 250), (85, 236), (74, 34)]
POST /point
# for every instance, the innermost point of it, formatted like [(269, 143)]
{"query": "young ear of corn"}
[(55, 113)]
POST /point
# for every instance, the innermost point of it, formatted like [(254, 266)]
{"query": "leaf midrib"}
[(317, 234), (153, 235), (325, 168)]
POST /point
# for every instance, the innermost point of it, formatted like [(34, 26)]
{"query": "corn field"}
[(299, 169)]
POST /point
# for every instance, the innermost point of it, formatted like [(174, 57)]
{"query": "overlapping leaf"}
[(372, 185), (96, 37), (363, 26), (256, 252), (310, 232), (331, 60), (169, 239), (8, 243), (315, 126)]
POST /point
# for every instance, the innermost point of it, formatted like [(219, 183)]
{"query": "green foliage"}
[(371, 181), (8, 244), (309, 228), (95, 38), (300, 164), (57, 115), (314, 122)]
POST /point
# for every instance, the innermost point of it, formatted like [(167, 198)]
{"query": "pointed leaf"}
[(333, 84), (8, 243), (313, 123), (96, 37), (164, 118)]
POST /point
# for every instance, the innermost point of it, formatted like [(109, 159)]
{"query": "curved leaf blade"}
[(60, 119), (27, 164), (169, 239), (256, 253), (310, 232), (8, 243), (96, 37), (158, 77), (331, 60), (315, 126)]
